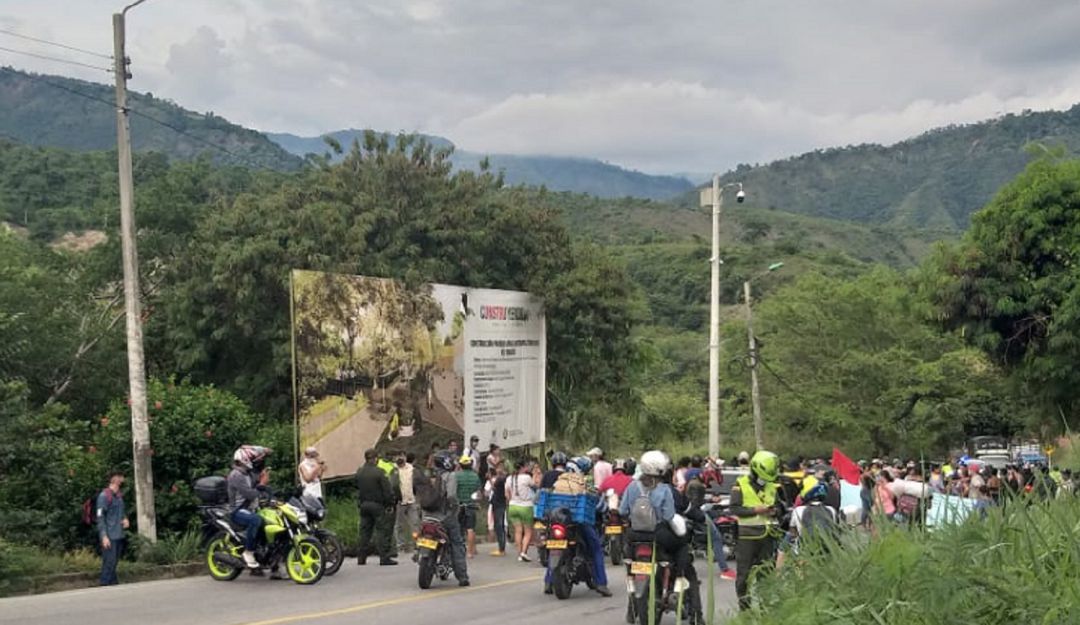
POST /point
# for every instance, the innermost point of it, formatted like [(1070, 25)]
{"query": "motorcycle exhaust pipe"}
[(230, 560)]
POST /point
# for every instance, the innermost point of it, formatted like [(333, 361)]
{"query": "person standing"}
[(473, 452), (111, 523), (496, 492), (521, 495), (310, 471), (602, 469), (408, 516), (467, 484), (753, 502), (376, 499)]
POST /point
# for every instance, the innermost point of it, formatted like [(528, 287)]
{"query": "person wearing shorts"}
[(521, 494)]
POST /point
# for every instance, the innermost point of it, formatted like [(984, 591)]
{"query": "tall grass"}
[(1018, 564)]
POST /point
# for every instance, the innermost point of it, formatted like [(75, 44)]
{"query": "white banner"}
[(505, 356)]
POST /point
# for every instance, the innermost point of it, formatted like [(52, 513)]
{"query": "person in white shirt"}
[(408, 513), (311, 470)]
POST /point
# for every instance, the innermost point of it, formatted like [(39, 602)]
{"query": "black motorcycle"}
[(613, 537), (311, 521), (540, 534), (646, 562), (568, 557), (433, 551)]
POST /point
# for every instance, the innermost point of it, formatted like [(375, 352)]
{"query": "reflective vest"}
[(751, 498)]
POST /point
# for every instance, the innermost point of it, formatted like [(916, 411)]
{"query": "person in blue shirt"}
[(111, 523)]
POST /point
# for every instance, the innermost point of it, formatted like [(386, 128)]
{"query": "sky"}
[(662, 86)]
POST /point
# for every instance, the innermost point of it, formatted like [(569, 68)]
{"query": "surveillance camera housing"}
[(740, 197)]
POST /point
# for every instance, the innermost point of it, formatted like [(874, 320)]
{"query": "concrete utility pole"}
[(717, 201), (755, 393), (140, 427)]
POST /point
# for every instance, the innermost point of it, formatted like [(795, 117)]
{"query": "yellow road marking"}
[(424, 596)]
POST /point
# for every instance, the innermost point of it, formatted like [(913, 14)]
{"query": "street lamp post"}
[(755, 393), (717, 201)]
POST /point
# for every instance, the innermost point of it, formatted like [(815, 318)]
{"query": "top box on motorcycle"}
[(212, 490), (582, 507)]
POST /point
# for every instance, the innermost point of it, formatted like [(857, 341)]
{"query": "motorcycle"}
[(568, 557), (283, 540), (540, 540), (613, 537), (433, 551), (316, 513), (645, 563)]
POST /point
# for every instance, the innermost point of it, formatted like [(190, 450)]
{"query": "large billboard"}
[(378, 364)]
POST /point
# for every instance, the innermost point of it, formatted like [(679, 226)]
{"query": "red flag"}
[(845, 467)]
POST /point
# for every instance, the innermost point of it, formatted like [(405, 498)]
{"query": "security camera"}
[(740, 197)]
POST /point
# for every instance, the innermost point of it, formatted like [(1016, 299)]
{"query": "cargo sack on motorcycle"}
[(643, 517), (428, 493)]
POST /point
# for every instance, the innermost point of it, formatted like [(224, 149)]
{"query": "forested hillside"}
[(54, 111), (576, 175), (936, 180)]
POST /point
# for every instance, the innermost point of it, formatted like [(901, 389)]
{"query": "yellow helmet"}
[(766, 465), (465, 461)]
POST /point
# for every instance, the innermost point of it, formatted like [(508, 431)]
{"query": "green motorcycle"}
[(285, 543)]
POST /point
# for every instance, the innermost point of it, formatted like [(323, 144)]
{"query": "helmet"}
[(581, 463), (465, 461), (817, 492), (444, 462), (558, 459), (248, 456), (766, 465), (654, 463), (629, 466)]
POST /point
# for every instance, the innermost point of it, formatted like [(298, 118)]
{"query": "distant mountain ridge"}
[(54, 111), (935, 180), (558, 173)]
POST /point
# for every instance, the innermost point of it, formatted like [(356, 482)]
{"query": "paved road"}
[(503, 591)]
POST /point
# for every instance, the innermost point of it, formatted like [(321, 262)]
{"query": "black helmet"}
[(558, 459), (630, 466)]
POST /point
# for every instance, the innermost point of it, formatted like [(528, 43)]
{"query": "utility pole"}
[(140, 427), (714, 324), (755, 393)]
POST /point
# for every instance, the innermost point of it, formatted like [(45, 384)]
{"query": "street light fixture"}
[(755, 393), (714, 197)]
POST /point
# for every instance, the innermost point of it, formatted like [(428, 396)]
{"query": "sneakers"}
[(463, 582), (603, 590), (524, 558), (548, 589), (728, 575), (388, 562), (249, 559), (498, 553)]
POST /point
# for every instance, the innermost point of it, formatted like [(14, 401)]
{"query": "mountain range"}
[(933, 181)]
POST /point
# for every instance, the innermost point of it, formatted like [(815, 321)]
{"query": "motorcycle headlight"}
[(319, 515)]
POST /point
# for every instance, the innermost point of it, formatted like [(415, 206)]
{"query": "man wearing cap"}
[(310, 471), (473, 452), (602, 469)]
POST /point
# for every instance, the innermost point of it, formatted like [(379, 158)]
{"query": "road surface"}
[(503, 591)]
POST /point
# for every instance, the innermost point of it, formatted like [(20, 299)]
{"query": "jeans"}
[(408, 521), (717, 545), (109, 559), (252, 523), (457, 547), (595, 550), (498, 513)]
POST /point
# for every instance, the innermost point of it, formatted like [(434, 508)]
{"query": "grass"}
[(1019, 564)]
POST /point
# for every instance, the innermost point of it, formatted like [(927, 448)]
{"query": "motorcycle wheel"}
[(427, 570), (334, 550), (643, 610), (306, 561), (631, 610), (223, 543), (616, 551), (560, 581)]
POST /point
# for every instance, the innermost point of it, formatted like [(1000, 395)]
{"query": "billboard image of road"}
[(378, 364)]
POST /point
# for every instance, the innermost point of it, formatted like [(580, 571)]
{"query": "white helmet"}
[(654, 463)]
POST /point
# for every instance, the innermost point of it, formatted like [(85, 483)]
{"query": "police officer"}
[(376, 500), (754, 501)]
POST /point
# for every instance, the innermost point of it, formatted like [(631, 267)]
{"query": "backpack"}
[(89, 511), (428, 492), (819, 526), (643, 517)]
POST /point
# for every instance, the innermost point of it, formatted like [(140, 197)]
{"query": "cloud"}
[(688, 85)]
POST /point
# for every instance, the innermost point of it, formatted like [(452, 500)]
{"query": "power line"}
[(53, 43), (54, 58), (180, 131)]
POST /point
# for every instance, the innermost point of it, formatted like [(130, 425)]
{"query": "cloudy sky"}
[(657, 85)]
